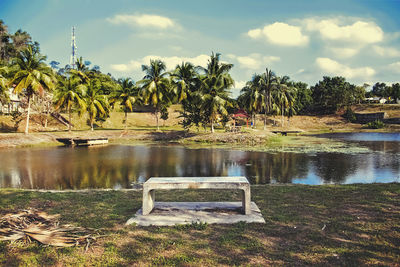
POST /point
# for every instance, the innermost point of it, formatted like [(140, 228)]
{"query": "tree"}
[(127, 94), (267, 83), (252, 98), (155, 88), (285, 96), (379, 89), (303, 97), (3, 85), (32, 76), (215, 84), (395, 92), (69, 96), (97, 104), (332, 93)]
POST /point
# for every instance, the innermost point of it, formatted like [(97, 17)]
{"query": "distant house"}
[(13, 105), (375, 99)]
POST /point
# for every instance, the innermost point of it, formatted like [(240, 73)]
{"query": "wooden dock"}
[(285, 133), (82, 141)]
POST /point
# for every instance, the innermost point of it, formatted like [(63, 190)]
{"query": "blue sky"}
[(305, 39)]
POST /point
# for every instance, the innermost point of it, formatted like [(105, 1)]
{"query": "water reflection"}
[(117, 166)]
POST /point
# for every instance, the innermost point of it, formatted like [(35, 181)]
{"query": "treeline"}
[(204, 92)]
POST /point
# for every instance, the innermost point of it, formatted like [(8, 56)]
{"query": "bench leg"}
[(246, 201), (148, 201)]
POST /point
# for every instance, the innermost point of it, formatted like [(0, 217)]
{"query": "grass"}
[(361, 226)]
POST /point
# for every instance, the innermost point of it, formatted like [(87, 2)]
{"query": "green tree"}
[(126, 94), (215, 85), (284, 96), (70, 96), (156, 86), (332, 93), (252, 98), (97, 104), (268, 84), (32, 76), (303, 97)]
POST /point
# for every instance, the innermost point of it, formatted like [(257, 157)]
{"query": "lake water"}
[(119, 166)]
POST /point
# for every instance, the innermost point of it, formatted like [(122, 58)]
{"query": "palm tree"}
[(252, 97), (267, 84), (127, 94), (284, 95), (96, 103), (69, 96), (33, 76), (215, 84), (3, 84), (155, 86)]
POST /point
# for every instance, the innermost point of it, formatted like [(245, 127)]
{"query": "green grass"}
[(362, 227)]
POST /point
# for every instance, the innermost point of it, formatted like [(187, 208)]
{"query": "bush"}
[(374, 125), (349, 115)]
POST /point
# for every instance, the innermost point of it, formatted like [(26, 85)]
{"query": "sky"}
[(304, 39)]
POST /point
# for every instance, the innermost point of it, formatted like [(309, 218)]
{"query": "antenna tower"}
[(73, 46)]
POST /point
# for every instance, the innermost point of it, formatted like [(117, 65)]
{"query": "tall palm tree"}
[(127, 94), (156, 86), (284, 95), (69, 96), (3, 84), (97, 104), (267, 84), (252, 97), (215, 86), (32, 76)]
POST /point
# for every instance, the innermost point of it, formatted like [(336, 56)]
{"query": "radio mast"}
[(73, 45)]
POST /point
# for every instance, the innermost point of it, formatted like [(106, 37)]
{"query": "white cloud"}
[(344, 52), (386, 51), (143, 20), (395, 67), (280, 34), (361, 32), (333, 67), (253, 61), (170, 62)]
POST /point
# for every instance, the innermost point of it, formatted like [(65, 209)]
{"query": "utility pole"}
[(73, 52)]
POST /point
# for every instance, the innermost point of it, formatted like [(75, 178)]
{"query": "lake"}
[(120, 166)]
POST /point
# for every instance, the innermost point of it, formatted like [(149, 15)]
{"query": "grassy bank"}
[(325, 225)]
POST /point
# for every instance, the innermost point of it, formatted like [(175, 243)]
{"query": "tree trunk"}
[(282, 116), (126, 120), (158, 127), (212, 125), (69, 120), (47, 115), (265, 118), (27, 116), (91, 125)]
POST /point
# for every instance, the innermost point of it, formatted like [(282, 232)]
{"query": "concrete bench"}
[(168, 183)]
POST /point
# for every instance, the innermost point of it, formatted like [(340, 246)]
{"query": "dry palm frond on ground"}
[(36, 225)]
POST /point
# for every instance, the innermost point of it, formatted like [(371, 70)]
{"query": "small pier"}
[(285, 133), (82, 141)]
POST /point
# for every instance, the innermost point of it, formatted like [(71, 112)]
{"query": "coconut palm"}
[(284, 95), (3, 84), (267, 84), (215, 84), (155, 86), (32, 76), (252, 97), (97, 104), (69, 96), (127, 94)]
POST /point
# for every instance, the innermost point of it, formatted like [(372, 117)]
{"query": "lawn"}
[(320, 225)]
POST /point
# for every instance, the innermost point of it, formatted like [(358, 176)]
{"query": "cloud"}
[(333, 67), (253, 61), (280, 33), (386, 51), (344, 52), (143, 20), (361, 32), (170, 62), (395, 67)]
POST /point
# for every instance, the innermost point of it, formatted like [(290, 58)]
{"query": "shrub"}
[(374, 125), (349, 115)]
